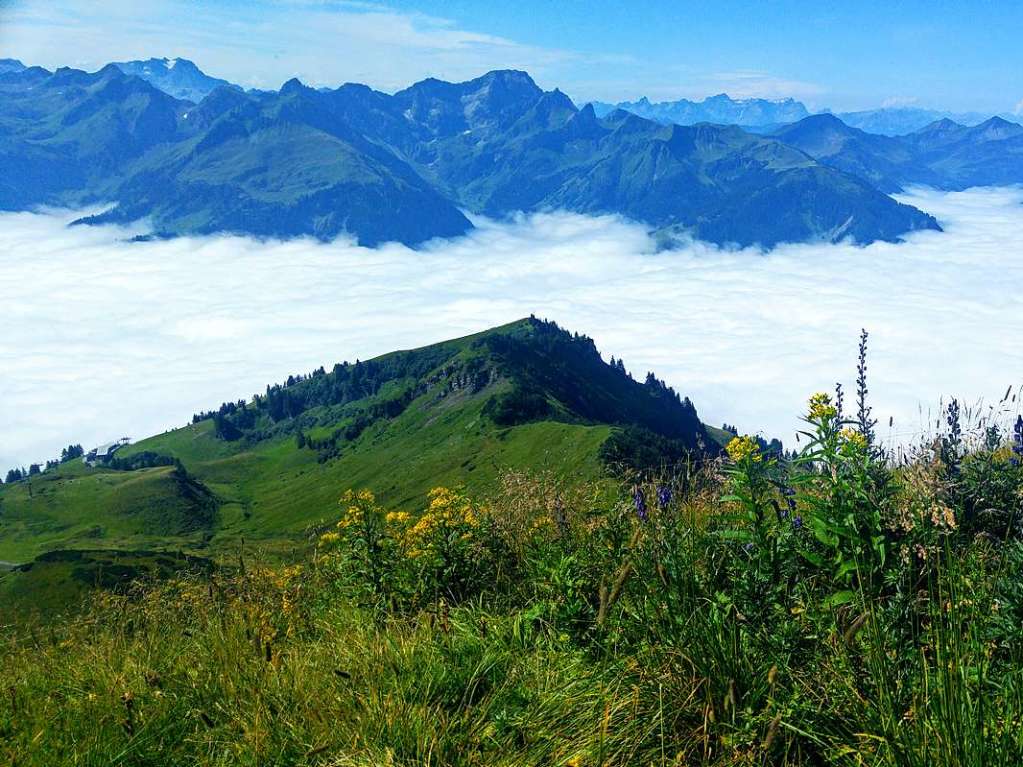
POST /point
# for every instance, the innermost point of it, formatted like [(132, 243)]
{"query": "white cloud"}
[(103, 337), (755, 84), (263, 43), (896, 102)]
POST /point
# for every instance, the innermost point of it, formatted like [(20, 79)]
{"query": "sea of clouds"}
[(103, 338)]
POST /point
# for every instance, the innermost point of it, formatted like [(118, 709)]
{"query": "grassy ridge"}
[(526, 395), (78, 507), (61, 581)]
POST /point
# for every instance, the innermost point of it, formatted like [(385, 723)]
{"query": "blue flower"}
[(790, 497), (797, 523), (663, 496), (1017, 436), (639, 501)]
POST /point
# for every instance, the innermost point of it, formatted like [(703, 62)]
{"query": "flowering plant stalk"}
[(845, 506)]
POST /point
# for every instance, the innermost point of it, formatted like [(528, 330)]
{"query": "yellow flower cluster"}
[(743, 448), (356, 503), (854, 438), (448, 510), (398, 518), (821, 408)]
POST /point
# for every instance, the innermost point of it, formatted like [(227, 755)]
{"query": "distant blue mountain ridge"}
[(406, 166), (720, 109), (180, 78), (10, 65), (763, 115)]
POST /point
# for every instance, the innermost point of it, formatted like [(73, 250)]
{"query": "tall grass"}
[(835, 607)]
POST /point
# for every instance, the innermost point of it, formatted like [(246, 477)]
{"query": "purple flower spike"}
[(663, 496), (639, 501)]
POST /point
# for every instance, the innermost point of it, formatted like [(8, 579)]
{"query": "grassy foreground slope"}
[(527, 395), (831, 606), (65, 579)]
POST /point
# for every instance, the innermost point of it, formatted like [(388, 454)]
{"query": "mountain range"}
[(764, 116), (527, 396), (720, 109), (408, 166), (944, 155), (160, 140), (898, 121), (180, 78)]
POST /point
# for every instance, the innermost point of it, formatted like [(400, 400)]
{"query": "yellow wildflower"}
[(821, 408), (854, 438), (329, 538), (357, 496), (397, 518), (743, 448)]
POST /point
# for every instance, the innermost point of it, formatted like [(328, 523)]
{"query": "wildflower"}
[(399, 518), (663, 496), (866, 423), (790, 499), (821, 408), (943, 516), (328, 538), (854, 439), (748, 548), (743, 448), (1017, 440), (797, 523), (639, 501)]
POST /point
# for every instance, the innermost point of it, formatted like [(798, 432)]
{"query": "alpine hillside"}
[(524, 396), (379, 167)]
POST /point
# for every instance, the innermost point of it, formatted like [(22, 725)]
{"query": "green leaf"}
[(812, 558), (734, 535), (840, 598)]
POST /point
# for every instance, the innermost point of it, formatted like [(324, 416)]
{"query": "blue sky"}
[(959, 56)]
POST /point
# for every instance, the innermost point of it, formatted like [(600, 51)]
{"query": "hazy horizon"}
[(826, 57)]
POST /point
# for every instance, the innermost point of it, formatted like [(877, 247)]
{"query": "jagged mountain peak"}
[(995, 129), (719, 109), (943, 125), (293, 86), (178, 77)]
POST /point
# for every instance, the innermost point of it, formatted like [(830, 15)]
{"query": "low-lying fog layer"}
[(104, 338)]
